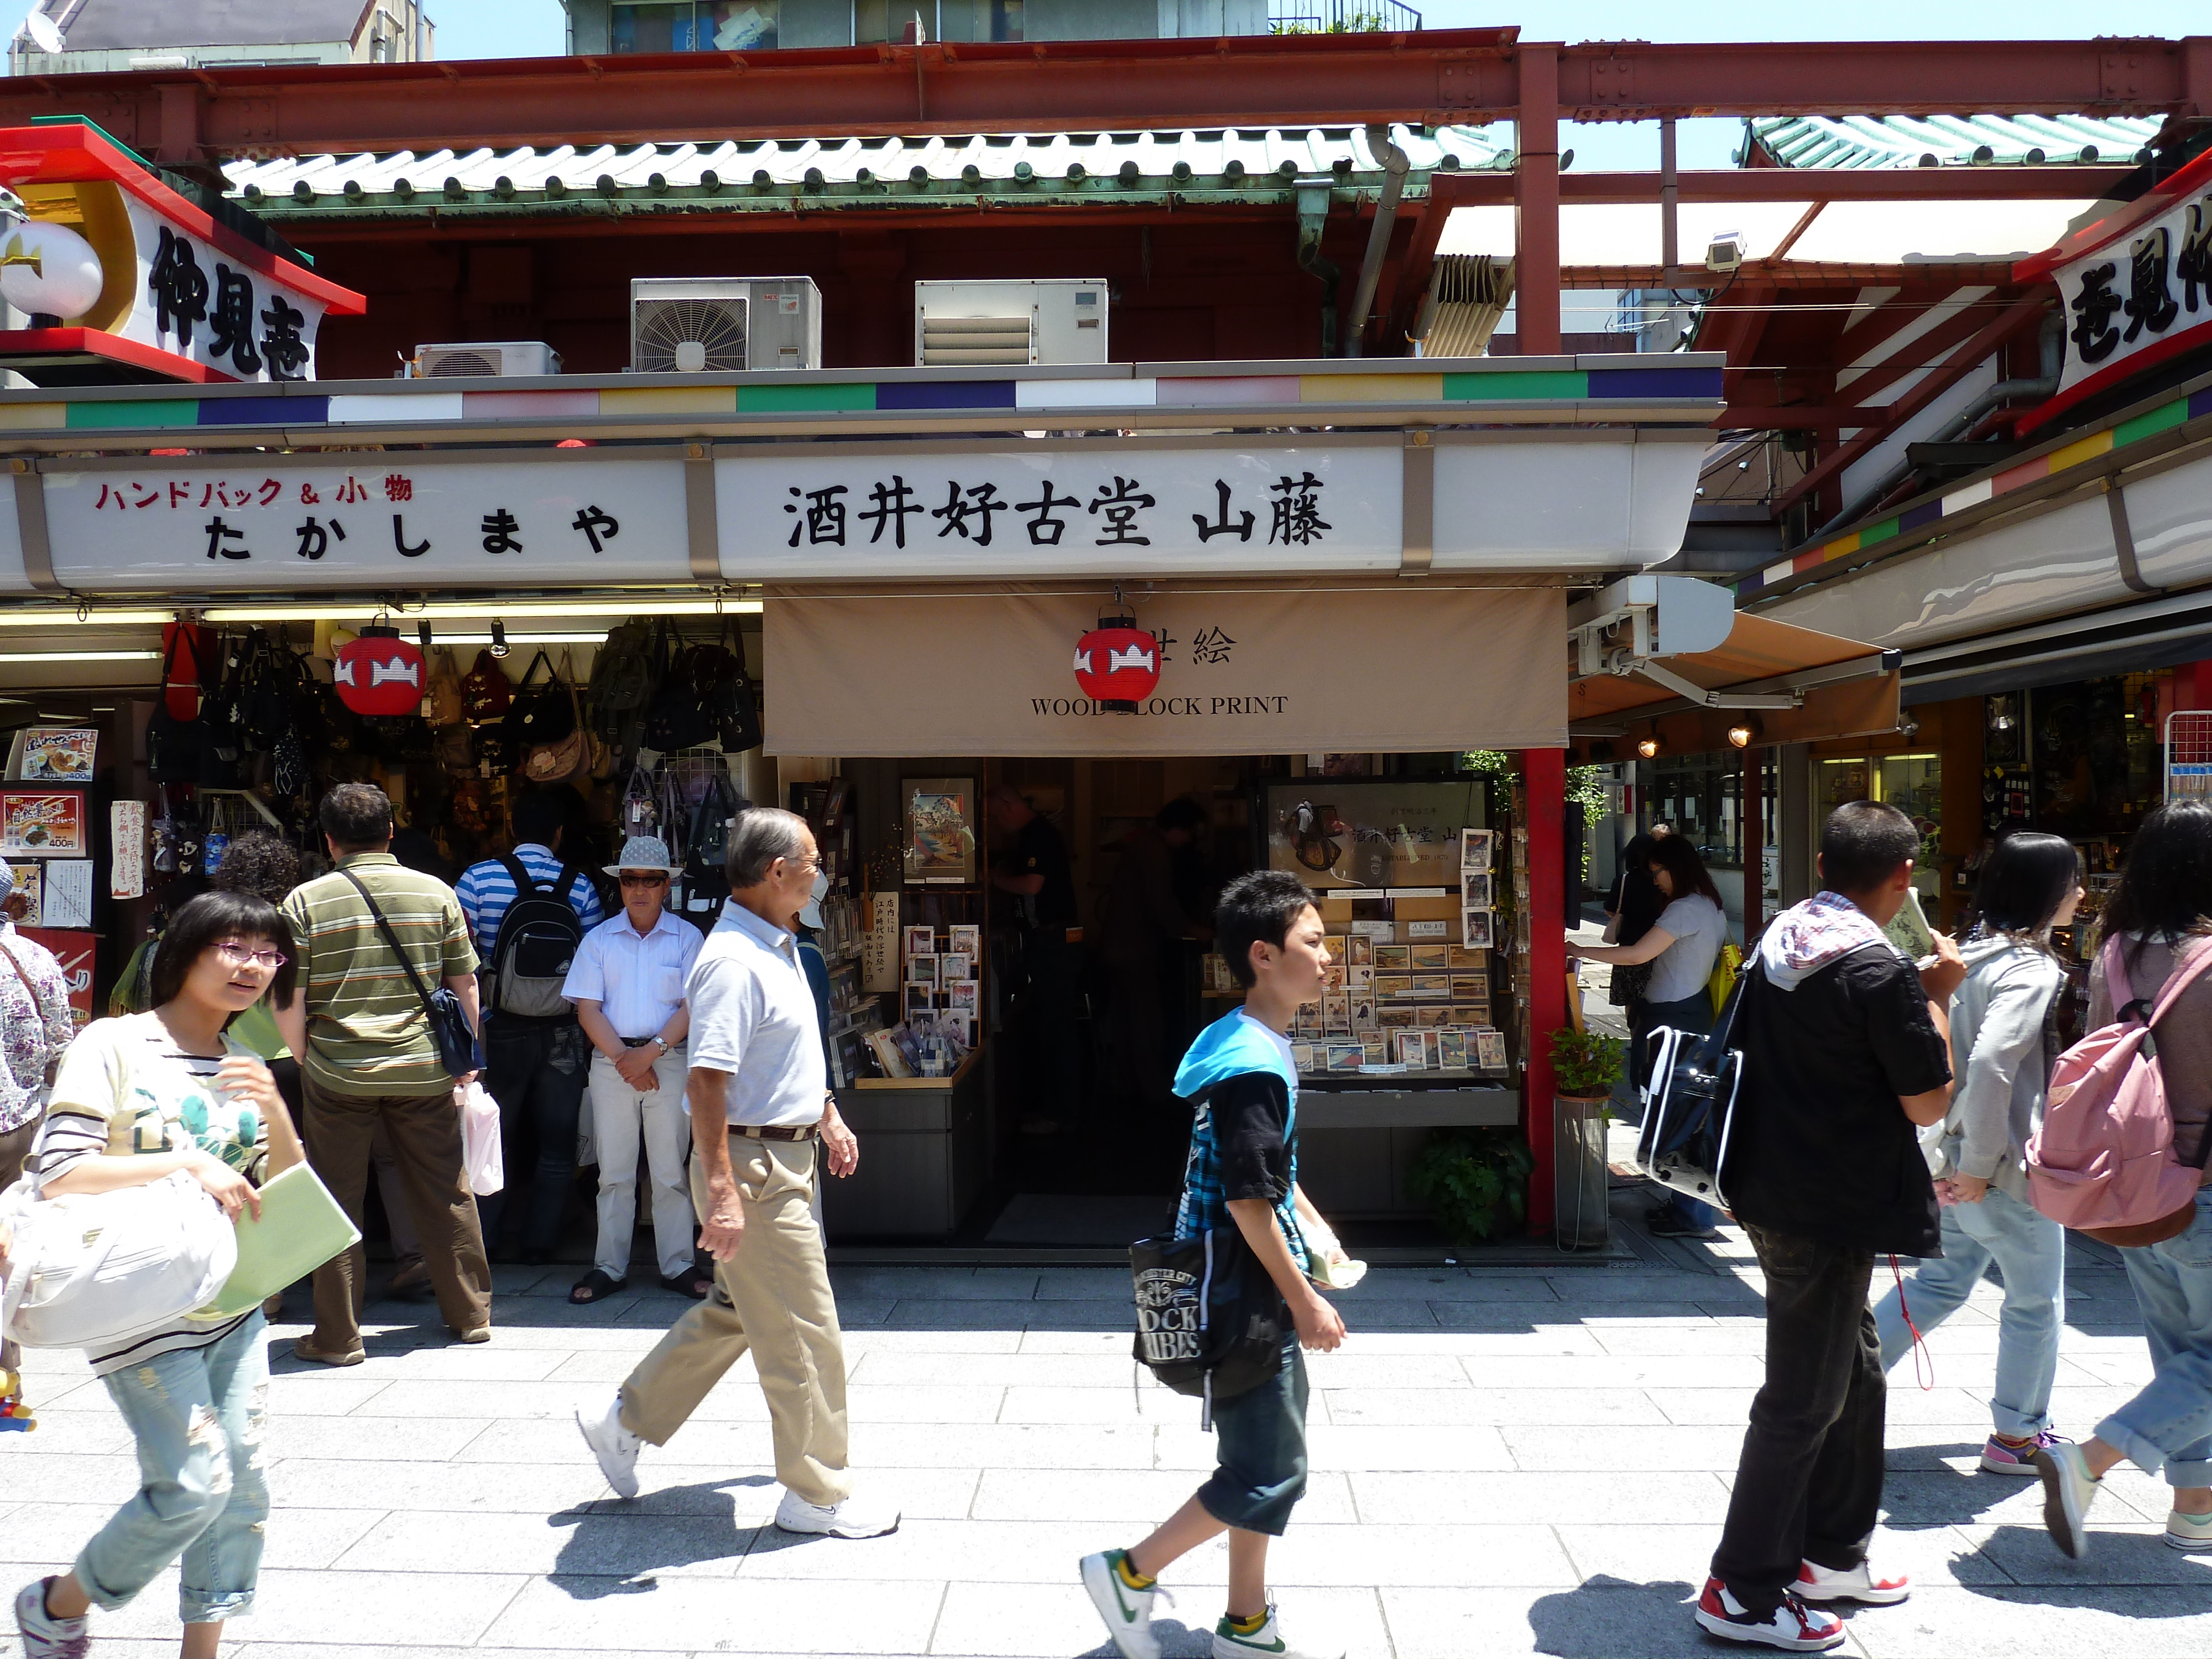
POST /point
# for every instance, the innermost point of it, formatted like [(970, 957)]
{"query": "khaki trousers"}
[(425, 1134), (778, 1284)]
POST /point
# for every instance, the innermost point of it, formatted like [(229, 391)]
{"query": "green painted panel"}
[(1517, 384), (164, 411), (814, 396), (2159, 419), (1879, 532)]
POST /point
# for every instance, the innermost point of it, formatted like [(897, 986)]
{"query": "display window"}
[(645, 26)]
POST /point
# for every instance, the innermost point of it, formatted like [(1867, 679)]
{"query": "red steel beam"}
[(1465, 75), (1536, 205), (1981, 183), (1916, 354), (1797, 417)]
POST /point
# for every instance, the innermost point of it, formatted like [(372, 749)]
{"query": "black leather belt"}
[(776, 1131), (640, 1043)]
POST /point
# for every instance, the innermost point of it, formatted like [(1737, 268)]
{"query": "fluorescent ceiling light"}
[(490, 605), (79, 656), (521, 639), (89, 619)]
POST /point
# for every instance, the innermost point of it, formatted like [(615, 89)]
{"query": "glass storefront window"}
[(693, 25), (880, 21), (1700, 795)]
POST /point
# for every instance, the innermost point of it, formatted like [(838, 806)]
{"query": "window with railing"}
[(875, 21), (1341, 17), (693, 25)]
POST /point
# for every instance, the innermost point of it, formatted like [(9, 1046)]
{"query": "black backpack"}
[(621, 683), (706, 882), (535, 946), (1209, 1322)]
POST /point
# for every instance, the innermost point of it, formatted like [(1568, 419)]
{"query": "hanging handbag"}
[(187, 651), (557, 760), (174, 741), (737, 704), (1210, 1322), (676, 718), (706, 869), (541, 712), (640, 813), (485, 693), (1689, 1103), (442, 704), (449, 1022)]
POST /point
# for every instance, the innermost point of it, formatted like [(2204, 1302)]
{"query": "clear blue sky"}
[(532, 28)]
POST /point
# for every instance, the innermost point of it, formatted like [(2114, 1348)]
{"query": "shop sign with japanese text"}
[(376, 521), (202, 303), (916, 510)]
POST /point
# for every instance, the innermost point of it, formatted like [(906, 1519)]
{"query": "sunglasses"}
[(237, 956), (645, 881)]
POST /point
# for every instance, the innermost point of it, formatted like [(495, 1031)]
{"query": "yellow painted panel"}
[(33, 417), (671, 400), (2096, 444), (1371, 388)]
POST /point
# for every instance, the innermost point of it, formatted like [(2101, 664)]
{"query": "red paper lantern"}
[(1117, 663), (378, 673)]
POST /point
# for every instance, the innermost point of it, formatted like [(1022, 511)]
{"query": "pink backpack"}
[(2103, 1164)]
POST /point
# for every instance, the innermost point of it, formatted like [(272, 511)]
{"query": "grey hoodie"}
[(2000, 1069)]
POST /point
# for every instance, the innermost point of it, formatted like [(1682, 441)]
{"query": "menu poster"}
[(31, 882), (126, 834), (58, 753), (41, 824), (68, 893), (880, 946), (74, 952)]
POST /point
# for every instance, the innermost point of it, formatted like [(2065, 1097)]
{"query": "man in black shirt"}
[(1031, 862), (1844, 1051)]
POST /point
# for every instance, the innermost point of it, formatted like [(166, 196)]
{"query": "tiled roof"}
[(1906, 141), (1247, 165)]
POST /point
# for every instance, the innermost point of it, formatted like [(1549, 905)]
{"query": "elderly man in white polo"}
[(627, 984), (763, 1120)]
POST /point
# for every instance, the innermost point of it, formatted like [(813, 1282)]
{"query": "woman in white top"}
[(1681, 947), (140, 1099)]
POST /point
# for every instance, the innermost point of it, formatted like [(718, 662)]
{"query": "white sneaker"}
[(1265, 1643), (2188, 1532), (2069, 1488), (1127, 1612), (1859, 1583), (615, 1446), (1793, 1627), (856, 1517)]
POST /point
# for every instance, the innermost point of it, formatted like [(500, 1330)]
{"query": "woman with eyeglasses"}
[(138, 1098)]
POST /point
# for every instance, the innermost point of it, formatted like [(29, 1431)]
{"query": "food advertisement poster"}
[(59, 754), (41, 824), (74, 952)]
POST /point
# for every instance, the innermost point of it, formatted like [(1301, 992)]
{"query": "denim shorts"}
[(1261, 1436)]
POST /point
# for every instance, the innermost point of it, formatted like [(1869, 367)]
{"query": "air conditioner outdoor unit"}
[(473, 357), (701, 324), (1055, 320)]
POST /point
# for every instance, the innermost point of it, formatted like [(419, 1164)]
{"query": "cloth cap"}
[(643, 853)]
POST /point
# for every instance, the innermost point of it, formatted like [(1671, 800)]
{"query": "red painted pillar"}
[(1536, 202), (1544, 794), (1754, 841)]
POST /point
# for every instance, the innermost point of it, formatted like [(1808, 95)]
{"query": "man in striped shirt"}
[(369, 1057)]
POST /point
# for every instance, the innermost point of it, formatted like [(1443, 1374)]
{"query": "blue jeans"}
[(2029, 1251), (198, 1416), (1261, 1438), (2169, 1423)]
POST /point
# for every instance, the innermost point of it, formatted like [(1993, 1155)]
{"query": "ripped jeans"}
[(199, 1417)]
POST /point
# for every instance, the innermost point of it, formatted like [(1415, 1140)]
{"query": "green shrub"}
[(1475, 1182), (1584, 1062)]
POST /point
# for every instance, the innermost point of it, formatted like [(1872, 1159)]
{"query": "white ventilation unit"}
[(723, 325), (478, 357), (1057, 321)]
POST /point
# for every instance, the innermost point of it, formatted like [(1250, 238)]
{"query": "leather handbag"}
[(450, 1030)]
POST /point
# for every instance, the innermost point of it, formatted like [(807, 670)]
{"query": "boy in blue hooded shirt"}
[(1242, 1171)]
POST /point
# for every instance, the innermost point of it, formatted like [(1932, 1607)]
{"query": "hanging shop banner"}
[(74, 952), (2135, 287), (381, 520), (1260, 671)]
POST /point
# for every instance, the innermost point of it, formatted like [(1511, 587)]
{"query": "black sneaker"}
[(1667, 1222)]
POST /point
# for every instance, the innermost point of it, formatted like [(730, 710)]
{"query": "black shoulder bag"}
[(1210, 1322), (449, 1021), (1689, 1102)]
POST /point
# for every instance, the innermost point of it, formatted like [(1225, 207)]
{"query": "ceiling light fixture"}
[(491, 605), (499, 646), (1743, 734), (1647, 748), (499, 638), (79, 656), (46, 617)]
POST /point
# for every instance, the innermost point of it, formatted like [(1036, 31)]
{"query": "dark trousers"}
[(537, 1073), (1808, 1485), (1052, 1025)]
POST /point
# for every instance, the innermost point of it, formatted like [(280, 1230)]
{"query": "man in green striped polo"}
[(369, 1057)]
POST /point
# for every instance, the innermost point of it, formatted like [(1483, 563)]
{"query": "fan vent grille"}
[(716, 327)]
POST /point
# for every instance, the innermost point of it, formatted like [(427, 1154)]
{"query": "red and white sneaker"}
[(1792, 1626), (1859, 1583)]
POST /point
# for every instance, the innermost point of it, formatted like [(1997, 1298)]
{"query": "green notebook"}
[(301, 1227)]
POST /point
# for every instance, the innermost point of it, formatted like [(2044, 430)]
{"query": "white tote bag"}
[(90, 1269), (482, 1157)]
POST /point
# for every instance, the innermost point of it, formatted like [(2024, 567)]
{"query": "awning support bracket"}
[(1704, 699), (1417, 506), (2123, 540), (31, 526)]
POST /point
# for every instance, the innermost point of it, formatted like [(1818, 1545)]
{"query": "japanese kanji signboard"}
[(2135, 287)]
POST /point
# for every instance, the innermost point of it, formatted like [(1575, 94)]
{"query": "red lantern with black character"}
[(378, 673), (1117, 663)]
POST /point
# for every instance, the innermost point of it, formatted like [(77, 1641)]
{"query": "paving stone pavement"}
[(1506, 1461)]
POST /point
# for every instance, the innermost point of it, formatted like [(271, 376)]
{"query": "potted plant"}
[(1474, 1180), (1585, 1066)]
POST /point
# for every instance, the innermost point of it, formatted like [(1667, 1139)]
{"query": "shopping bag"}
[(480, 1154), (300, 1228)]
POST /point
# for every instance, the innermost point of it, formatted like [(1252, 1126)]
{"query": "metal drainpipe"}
[(1396, 165), (1313, 213), (1996, 397)]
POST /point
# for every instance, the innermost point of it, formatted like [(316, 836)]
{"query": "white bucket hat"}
[(643, 853)]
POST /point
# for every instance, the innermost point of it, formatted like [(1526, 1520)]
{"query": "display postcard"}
[(1433, 1015), (967, 939), (1429, 958), (44, 825), (921, 941), (1360, 980), (1393, 958), (964, 995), (1374, 1052), (1490, 1050), (1346, 1056), (1470, 988), (922, 971), (69, 894), (1451, 1050), (1406, 1046), (31, 882), (1467, 958), (940, 835), (1393, 988), (59, 754), (1470, 1014), (1332, 977), (1359, 950), (1335, 1005), (1363, 1015), (1474, 889), (1335, 944), (1476, 929), (1337, 1030), (959, 1025), (1432, 987), (1301, 1056), (917, 1006), (955, 964), (1473, 851), (1395, 1019)]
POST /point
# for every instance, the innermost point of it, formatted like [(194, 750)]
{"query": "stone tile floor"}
[(1506, 1461)]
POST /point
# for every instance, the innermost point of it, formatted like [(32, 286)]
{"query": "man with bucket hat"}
[(627, 983)]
